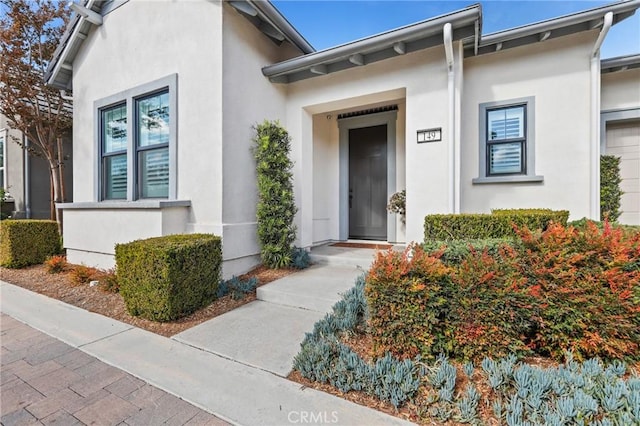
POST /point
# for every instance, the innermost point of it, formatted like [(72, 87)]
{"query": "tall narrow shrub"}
[(610, 192), (276, 205)]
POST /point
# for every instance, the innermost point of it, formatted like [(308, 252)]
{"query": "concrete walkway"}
[(231, 366), (266, 334)]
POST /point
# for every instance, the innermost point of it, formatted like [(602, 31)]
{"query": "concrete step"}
[(317, 288), (342, 256)]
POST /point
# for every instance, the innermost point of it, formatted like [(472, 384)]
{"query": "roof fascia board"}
[(376, 56), (620, 63), (529, 39), (624, 9), (61, 53), (58, 56), (405, 34), (279, 22)]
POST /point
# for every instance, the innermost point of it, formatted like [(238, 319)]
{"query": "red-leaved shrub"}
[(586, 286), (56, 264), (563, 289)]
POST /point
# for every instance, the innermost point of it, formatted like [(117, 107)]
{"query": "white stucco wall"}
[(620, 90), (420, 79), (248, 98), (326, 185), (131, 49), (90, 234), (217, 56), (556, 73)]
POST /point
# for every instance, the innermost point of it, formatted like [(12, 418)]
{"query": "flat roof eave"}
[(465, 24)]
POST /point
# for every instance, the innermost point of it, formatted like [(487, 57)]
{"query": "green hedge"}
[(276, 207), (165, 278), (610, 193), (498, 224), (27, 242), (583, 223), (455, 251)]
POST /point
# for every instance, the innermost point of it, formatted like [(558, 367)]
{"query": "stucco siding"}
[(138, 43), (131, 49), (90, 235), (326, 184), (248, 98), (421, 80), (620, 90), (556, 73)]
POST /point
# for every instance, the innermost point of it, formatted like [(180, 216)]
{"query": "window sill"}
[(507, 179), (140, 204)]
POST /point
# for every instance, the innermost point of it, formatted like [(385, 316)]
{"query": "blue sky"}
[(328, 23)]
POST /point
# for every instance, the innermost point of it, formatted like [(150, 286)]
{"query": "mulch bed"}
[(94, 299)]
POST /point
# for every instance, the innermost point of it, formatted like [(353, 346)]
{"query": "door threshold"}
[(363, 244)]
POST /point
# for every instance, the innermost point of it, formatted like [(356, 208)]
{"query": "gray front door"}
[(368, 183)]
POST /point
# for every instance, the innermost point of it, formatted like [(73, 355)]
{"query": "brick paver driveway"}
[(45, 381)]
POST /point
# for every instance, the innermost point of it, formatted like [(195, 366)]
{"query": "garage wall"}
[(623, 140), (621, 135)]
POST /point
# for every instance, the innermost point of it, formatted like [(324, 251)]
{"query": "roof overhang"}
[(552, 28), (260, 13), (271, 22), (620, 63), (59, 73), (466, 25)]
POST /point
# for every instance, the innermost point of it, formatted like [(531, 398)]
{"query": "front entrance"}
[(368, 183)]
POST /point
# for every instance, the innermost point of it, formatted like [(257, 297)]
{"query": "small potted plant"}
[(398, 204)]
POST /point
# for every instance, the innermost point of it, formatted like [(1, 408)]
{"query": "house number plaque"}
[(430, 135)]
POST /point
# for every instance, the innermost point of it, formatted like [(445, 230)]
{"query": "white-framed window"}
[(507, 141), (136, 132)]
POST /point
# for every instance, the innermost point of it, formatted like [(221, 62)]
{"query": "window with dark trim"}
[(113, 135), (152, 145), (136, 132), (3, 147), (507, 142)]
